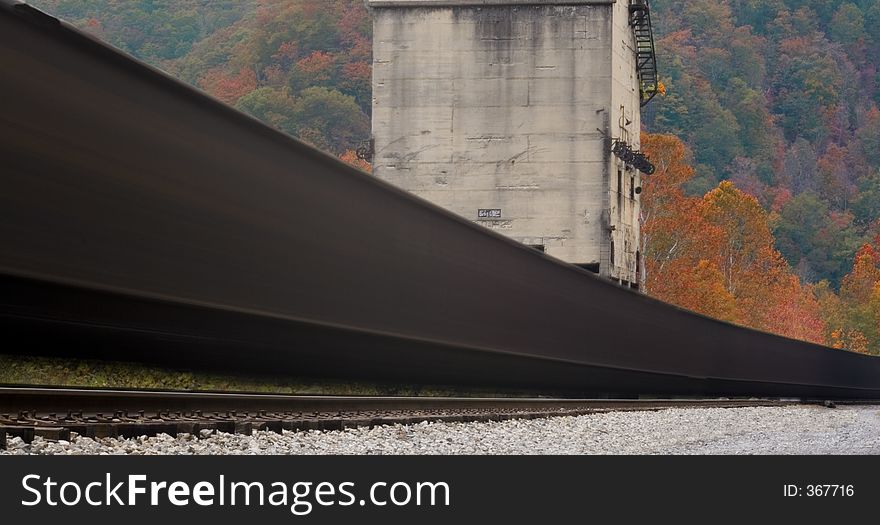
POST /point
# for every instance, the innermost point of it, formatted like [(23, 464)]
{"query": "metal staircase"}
[(646, 56)]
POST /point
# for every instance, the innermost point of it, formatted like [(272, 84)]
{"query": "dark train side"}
[(144, 220)]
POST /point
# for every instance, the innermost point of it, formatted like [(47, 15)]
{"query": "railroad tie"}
[(52, 433), (274, 425), (294, 425), (25, 433), (200, 428), (83, 429), (227, 427), (243, 427), (106, 430)]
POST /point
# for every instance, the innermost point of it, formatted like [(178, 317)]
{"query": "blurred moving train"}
[(143, 220)]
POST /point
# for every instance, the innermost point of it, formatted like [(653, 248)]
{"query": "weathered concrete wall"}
[(626, 125), (508, 105)]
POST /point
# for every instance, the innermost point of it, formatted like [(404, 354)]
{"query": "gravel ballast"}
[(776, 430)]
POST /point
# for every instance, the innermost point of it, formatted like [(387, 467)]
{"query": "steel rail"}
[(46, 400)]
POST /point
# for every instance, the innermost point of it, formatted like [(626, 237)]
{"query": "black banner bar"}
[(427, 490)]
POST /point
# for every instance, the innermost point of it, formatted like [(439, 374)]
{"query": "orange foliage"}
[(357, 71), (744, 230), (697, 288), (774, 300), (229, 88), (848, 339), (681, 43), (858, 286), (318, 63), (671, 228), (854, 315), (715, 255), (350, 157)]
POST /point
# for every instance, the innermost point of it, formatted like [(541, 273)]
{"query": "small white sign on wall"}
[(489, 214)]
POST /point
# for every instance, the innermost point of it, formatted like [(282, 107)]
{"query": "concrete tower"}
[(505, 112)]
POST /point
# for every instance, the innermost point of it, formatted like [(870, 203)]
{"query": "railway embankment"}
[(797, 429)]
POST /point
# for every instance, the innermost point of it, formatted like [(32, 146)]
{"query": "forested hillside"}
[(781, 98), (766, 208), (303, 66)]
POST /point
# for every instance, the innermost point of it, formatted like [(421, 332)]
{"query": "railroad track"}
[(55, 413)]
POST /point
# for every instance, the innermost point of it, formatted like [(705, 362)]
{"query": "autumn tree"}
[(715, 255), (669, 223), (677, 242), (860, 299), (742, 224)]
